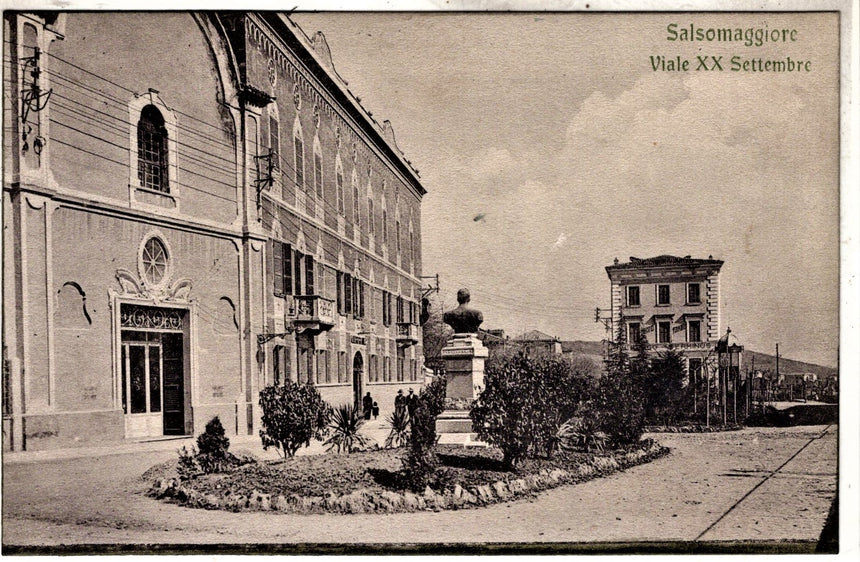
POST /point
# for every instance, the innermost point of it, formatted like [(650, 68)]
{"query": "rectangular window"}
[(632, 295), (329, 357), (278, 374), (356, 213), (361, 299), (309, 275), (401, 360), (278, 268), (300, 163), (664, 332), (695, 370), (662, 294), (318, 183), (347, 293), (370, 227), (397, 236), (339, 183), (297, 272), (400, 309), (634, 331), (287, 262), (339, 277), (694, 331), (275, 146), (694, 295)]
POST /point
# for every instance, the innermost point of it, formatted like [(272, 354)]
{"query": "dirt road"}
[(756, 484)]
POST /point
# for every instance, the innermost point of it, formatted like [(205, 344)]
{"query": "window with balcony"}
[(633, 295), (694, 295), (293, 271), (664, 332), (663, 295)]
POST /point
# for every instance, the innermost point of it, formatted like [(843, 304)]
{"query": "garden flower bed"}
[(371, 482)]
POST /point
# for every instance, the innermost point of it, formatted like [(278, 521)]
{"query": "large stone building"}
[(195, 206), (670, 301)]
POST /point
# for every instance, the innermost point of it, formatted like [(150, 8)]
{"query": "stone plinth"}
[(464, 370)]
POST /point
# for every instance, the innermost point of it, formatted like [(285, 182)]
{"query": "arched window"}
[(370, 226), (299, 150), (318, 179), (384, 222), (339, 183), (152, 150), (356, 215)]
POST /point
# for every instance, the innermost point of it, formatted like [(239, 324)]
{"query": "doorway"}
[(153, 385), (357, 379)]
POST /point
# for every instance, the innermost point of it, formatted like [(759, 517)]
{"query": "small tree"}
[(421, 462), (525, 401), (620, 393), (293, 414), (664, 388)]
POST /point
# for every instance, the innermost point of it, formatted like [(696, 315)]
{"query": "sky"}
[(549, 146)]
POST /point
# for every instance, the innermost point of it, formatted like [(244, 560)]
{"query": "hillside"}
[(761, 361)]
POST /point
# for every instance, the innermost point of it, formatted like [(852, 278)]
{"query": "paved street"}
[(756, 484)]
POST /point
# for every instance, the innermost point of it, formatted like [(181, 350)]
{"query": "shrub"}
[(434, 396), (293, 414), (345, 423), (525, 401), (622, 414), (398, 421), (188, 467), (582, 434), (421, 461)]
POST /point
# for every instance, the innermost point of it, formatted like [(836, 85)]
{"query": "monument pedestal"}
[(464, 370)]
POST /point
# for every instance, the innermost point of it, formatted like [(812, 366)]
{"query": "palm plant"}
[(345, 422), (581, 434), (398, 421)]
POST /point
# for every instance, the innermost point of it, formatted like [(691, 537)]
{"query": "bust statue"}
[(464, 319)]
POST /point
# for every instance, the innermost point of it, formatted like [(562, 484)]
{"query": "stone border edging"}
[(696, 428), (387, 501)]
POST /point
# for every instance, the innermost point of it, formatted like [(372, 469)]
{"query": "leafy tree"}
[(525, 401), (665, 399), (620, 393), (293, 414), (435, 334), (421, 461), (345, 423)]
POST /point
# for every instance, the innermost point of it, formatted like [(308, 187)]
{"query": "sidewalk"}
[(376, 430)]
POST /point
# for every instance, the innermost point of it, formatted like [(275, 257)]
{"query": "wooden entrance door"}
[(174, 384)]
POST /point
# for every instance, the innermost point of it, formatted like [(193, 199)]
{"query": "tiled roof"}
[(664, 260)]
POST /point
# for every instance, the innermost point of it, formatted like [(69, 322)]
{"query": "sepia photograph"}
[(467, 279)]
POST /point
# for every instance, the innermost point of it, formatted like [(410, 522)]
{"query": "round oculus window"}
[(154, 260)]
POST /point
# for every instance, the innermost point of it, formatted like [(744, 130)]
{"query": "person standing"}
[(411, 402), (367, 405), (399, 402)]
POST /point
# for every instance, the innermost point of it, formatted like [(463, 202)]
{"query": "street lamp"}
[(729, 361)]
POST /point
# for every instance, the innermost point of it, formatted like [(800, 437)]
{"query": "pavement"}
[(736, 488)]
